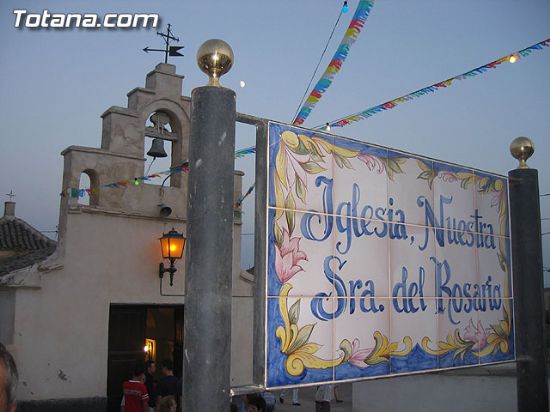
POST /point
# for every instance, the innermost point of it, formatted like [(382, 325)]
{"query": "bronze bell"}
[(157, 149)]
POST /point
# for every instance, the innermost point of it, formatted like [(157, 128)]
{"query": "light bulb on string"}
[(513, 58), (327, 127), (345, 7)]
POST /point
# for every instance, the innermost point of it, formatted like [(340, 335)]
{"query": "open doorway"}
[(138, 333)]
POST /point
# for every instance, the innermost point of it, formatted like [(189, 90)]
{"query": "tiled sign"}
[(381, 262)]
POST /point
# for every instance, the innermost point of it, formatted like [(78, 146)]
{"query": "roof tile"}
[(30, 245)]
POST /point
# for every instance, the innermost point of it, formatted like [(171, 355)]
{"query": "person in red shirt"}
[(135, 397)]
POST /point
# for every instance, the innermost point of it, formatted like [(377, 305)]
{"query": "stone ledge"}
[(124, 111), (140, 89), (499, 369), (97, 151), (77, 209), (64, 405)]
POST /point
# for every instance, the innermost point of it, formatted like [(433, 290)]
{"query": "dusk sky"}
[(56, 83)]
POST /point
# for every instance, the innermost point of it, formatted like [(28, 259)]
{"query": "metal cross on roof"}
[(168, 50), (11, 195)]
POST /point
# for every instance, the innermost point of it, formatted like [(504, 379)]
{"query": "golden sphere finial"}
[(215, 58), (522, 148)]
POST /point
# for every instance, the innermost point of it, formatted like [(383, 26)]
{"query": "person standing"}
[(256, 403), (168, 404), (135, 397), (150, 369), (169, 385), (295, 396), (8, 380), (323, 396), (337, 397)]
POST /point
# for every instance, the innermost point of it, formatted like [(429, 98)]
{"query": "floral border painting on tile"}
[(328, 197)]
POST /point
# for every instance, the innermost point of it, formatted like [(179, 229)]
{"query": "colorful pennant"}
[(354, 28), (245, 151), (248, 192), (344, 121)]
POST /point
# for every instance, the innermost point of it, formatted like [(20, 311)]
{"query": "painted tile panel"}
[(301, 258), (494, 267), (359, 275), (492, 205), (410, 183), (300, 169), (454, 198), (412, 263), (459, 337), (381, 262), (359, 333), (414, 326), (455, 264), (303, 339), (496, 322), (360, 183)]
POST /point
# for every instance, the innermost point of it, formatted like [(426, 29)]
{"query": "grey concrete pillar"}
[(532, 377), (207, 323)]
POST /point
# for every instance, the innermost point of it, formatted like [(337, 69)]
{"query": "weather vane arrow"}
[(168, 50)]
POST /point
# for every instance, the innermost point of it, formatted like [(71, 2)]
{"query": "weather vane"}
[(168, 50), (11, 195)]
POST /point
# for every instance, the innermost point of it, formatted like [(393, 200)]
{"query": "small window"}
[(88, 186)]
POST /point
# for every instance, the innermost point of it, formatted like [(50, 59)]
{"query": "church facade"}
[(84, 314)]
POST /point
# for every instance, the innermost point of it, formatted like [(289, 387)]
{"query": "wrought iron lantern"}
[(172, 245)]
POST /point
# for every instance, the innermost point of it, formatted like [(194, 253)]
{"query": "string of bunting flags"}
[(512, 58), (354, 29), (136, 181), (321, 87)]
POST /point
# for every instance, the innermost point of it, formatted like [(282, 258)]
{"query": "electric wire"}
[(151, 164), (319, 63)]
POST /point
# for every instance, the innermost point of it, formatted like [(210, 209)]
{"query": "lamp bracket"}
[(171, 270)]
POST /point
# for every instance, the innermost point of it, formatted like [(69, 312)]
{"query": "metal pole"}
[(532, 387), (207, 323), (260, 217)]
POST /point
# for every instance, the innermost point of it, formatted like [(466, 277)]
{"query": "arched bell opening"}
[(161, 139)]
